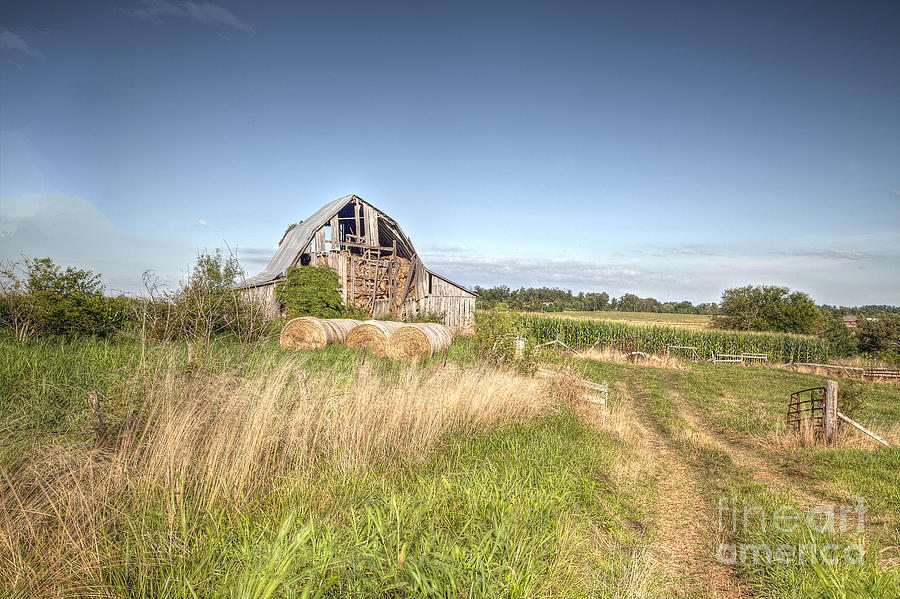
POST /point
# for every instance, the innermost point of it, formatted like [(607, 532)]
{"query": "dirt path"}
[(686, 531), (745, 457), (748, 457), (686, 534)]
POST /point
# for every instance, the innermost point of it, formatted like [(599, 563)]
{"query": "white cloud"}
[(254, 257), (11, 41), (854, 274), (896, 192), (575, 274), (202, 222), (73, 232), (205, 14)]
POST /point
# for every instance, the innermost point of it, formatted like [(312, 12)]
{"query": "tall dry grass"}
[(608, 354), (223, 439)]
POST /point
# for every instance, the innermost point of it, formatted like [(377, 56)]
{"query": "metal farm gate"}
[(807, 406)]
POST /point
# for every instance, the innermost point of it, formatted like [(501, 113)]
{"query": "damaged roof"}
[(298, 236)]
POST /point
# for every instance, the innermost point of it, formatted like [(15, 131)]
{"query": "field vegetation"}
[(583, 333), (688, 321), (181, 452), (254, 471), (259, 472)]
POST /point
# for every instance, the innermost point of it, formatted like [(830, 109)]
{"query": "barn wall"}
[(265, 294), (458, 310), (456, 304), (444, 288)]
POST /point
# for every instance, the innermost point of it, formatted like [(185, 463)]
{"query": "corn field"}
[(582, 333)]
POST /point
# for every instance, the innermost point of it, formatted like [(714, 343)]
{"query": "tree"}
[(838, 336), (880, 334), (767, 308), (206, 303), (311, 291)]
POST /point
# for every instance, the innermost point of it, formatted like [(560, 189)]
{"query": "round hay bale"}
[(341, 327), (309, 332), (306, 332), (413, 342), (373, 334)]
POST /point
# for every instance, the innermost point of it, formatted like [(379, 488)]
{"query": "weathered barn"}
[(377, 265)]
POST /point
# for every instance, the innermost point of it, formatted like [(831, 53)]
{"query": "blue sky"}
[(664, 149)]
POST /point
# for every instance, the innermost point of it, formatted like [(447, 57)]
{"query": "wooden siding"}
[(265, 294), (458, 311), (442, 287)]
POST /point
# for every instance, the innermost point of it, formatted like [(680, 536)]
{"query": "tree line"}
[(750, 308), (38, 297), (553, 299)]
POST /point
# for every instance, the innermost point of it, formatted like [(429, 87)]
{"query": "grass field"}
[(259, 472), (689, 321)]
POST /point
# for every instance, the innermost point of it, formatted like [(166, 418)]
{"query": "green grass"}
[(44, 381), (534, 509), (511, 514), (752, 416), (524, 511)]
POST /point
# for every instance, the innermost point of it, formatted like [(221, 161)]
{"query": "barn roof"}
[(298, 236), (295, 239)]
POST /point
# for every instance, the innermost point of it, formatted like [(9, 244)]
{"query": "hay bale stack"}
[(342, 327), (308, 332), (418, 341), (373, 334)]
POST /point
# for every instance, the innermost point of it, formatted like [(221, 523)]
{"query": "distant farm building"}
[(377, 265), (851, 320)]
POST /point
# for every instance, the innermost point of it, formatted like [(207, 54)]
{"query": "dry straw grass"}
[(373, 334), (224, 440), (308, 332), (845, 437), (608, 354), (414, 342)]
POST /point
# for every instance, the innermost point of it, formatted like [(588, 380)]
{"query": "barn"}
[(377, 265)]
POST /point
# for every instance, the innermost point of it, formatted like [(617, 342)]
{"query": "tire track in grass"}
[(755, 461), (686, 525)]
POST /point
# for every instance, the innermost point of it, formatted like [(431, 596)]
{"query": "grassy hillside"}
[(257, 472)]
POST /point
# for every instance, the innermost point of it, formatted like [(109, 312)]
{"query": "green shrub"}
[(311, 291), (205, 304), (436, 317), (840, 340), (497, 335), (879, 334), (767, 308), (37, 297)]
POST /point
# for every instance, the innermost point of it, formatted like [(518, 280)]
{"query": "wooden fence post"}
[(301, 380), (98, 422), (831, 409), (520, 345)]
